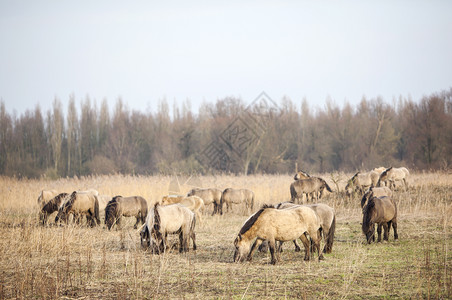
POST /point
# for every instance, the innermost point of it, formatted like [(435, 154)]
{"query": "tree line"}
[(227, 136)]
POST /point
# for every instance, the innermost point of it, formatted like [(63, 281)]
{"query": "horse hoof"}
[(321, 257)]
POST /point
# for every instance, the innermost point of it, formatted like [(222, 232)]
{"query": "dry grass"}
[(76, 262)]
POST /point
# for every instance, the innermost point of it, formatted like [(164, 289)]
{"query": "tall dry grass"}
[(76, 261)]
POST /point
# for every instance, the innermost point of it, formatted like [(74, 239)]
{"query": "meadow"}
[(77, 262)]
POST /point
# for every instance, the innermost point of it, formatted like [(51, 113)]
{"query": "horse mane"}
[(68, 204), (367, 214), (354, 177), (54, 203), (251, 220), (112, 208), (326, 185)]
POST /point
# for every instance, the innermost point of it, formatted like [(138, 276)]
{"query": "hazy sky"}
[(144, 51)]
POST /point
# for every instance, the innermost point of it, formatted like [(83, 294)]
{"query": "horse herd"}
[(286, 221)]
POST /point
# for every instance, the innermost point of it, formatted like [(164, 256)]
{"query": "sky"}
[(146, 51)]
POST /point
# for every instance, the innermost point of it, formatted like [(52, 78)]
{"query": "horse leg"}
[(386, 231), (315, 240), (255, 245), (307, 252), (379, 233), (272, 244), (394, 226), (136, 223), (297, 248), (193, 238)]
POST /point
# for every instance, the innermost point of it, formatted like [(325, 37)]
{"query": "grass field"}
[(76, 262)]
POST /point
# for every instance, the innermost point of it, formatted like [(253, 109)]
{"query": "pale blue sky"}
[(144, 51)]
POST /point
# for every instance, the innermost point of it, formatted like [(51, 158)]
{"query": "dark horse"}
[(118, 207), (383, 212), (50, 207)]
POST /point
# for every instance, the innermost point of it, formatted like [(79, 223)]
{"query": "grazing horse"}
[(301, 175), (273, 225), (51, 206), (162, 220), (119, 206), (383, 212), (194, 203), (210, 195), (77, 204), (392, 175), (45, 196), (237, 196), (361, 181), (327, 222), (312, 185), (375, 192)]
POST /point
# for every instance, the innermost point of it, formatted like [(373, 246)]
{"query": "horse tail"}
[(327, 187), (330, 237), (96, 210), (293, 192), (144, 210), (222, 201)]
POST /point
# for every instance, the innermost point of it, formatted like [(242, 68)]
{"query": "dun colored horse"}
[(210, 195), (51, 206), (78, 204), (327, 222), (119, 207), (273, 225), (194, 203), (361, 181), (237, 196), (391, 175), (383, 212), (313, 185), (169, 219)]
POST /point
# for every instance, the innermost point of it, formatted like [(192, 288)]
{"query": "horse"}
[(194, 203), (361, 181), (301, 175), (375, 192), (45, 196), (163, 220), (237, 196), (383, 212), (209, 195), (273, 225), (312, 185), (134, 206), (327, 222), (379, 170), (51, 206), (392, 175), (77, 204)]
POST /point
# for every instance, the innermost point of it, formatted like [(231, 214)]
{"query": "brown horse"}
[(163, 220), (313, 185), (383, 212), (51, 206), (375, 192), (119, 207), (237, 196), (391, 175), (194, 203), (210, 195), (273, 225), (78, 204)]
